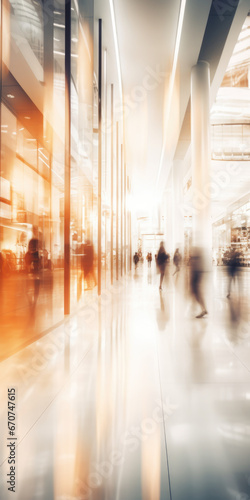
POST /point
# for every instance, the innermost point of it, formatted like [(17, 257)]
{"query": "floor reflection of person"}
[(88, 265), (162, 260), (196, 279)]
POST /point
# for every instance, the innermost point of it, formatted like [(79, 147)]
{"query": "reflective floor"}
[(135, 398)]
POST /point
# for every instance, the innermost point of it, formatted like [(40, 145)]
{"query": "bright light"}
[(58, 25), (142, 202), (112, 12)]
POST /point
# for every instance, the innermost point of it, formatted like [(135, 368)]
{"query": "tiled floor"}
[(134, 398)]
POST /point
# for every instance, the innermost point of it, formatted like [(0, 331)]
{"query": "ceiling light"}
[(74, 39), (172, 79), (118, 63), (10, 96), (58, 25), (44, 162), (58, 53), (27, 117), (56, 12)]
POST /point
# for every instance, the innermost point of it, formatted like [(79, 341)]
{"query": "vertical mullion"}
[(117, 198), (112, 184), (67, 178), (99, 266), (121, 187)]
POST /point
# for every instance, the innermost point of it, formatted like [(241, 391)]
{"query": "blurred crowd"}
[(196, 268)]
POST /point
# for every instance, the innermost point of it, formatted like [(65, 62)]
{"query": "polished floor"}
[(134, 398)]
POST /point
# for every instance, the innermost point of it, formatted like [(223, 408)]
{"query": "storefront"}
[(233, 231)]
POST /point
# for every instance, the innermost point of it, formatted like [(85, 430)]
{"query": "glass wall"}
[(231, 150), (33, 166), (32, 182)]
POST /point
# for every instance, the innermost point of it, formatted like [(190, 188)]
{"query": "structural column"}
[(117, 200), (67, 158), (122, 208), (48, 102), (125, 217), (201, 155), (112, 187), (168, 216), (1, 53), (99, 263), (178, 214)]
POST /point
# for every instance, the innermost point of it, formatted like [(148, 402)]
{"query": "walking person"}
[(149, 258), (136, 259), (88, 265), (232, 269), (32, 261), (177, 261), (196, 278), (162, 260)]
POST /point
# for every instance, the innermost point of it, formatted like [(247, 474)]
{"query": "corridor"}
[(134, 398)]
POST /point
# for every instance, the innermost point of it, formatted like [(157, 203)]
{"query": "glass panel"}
[(27, 31), (26, 146)]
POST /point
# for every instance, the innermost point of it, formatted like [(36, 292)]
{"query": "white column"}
[(168, 193), (201, 156), (178, 215)]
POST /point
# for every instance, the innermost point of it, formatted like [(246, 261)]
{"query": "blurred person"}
[(88, 265), (177, 261), (162, 260), (149, 258), (196, 278), (232, 269), (33, 265), (136, 259)]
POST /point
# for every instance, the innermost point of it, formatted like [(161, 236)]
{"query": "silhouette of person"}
[(177, 261), (136, 259), (232, 269), (162, 260), (33, 265), (196, 277), (149, 258), (88, 264)]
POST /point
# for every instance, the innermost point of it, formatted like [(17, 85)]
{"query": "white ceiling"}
[(146, 33), (146, 36)]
